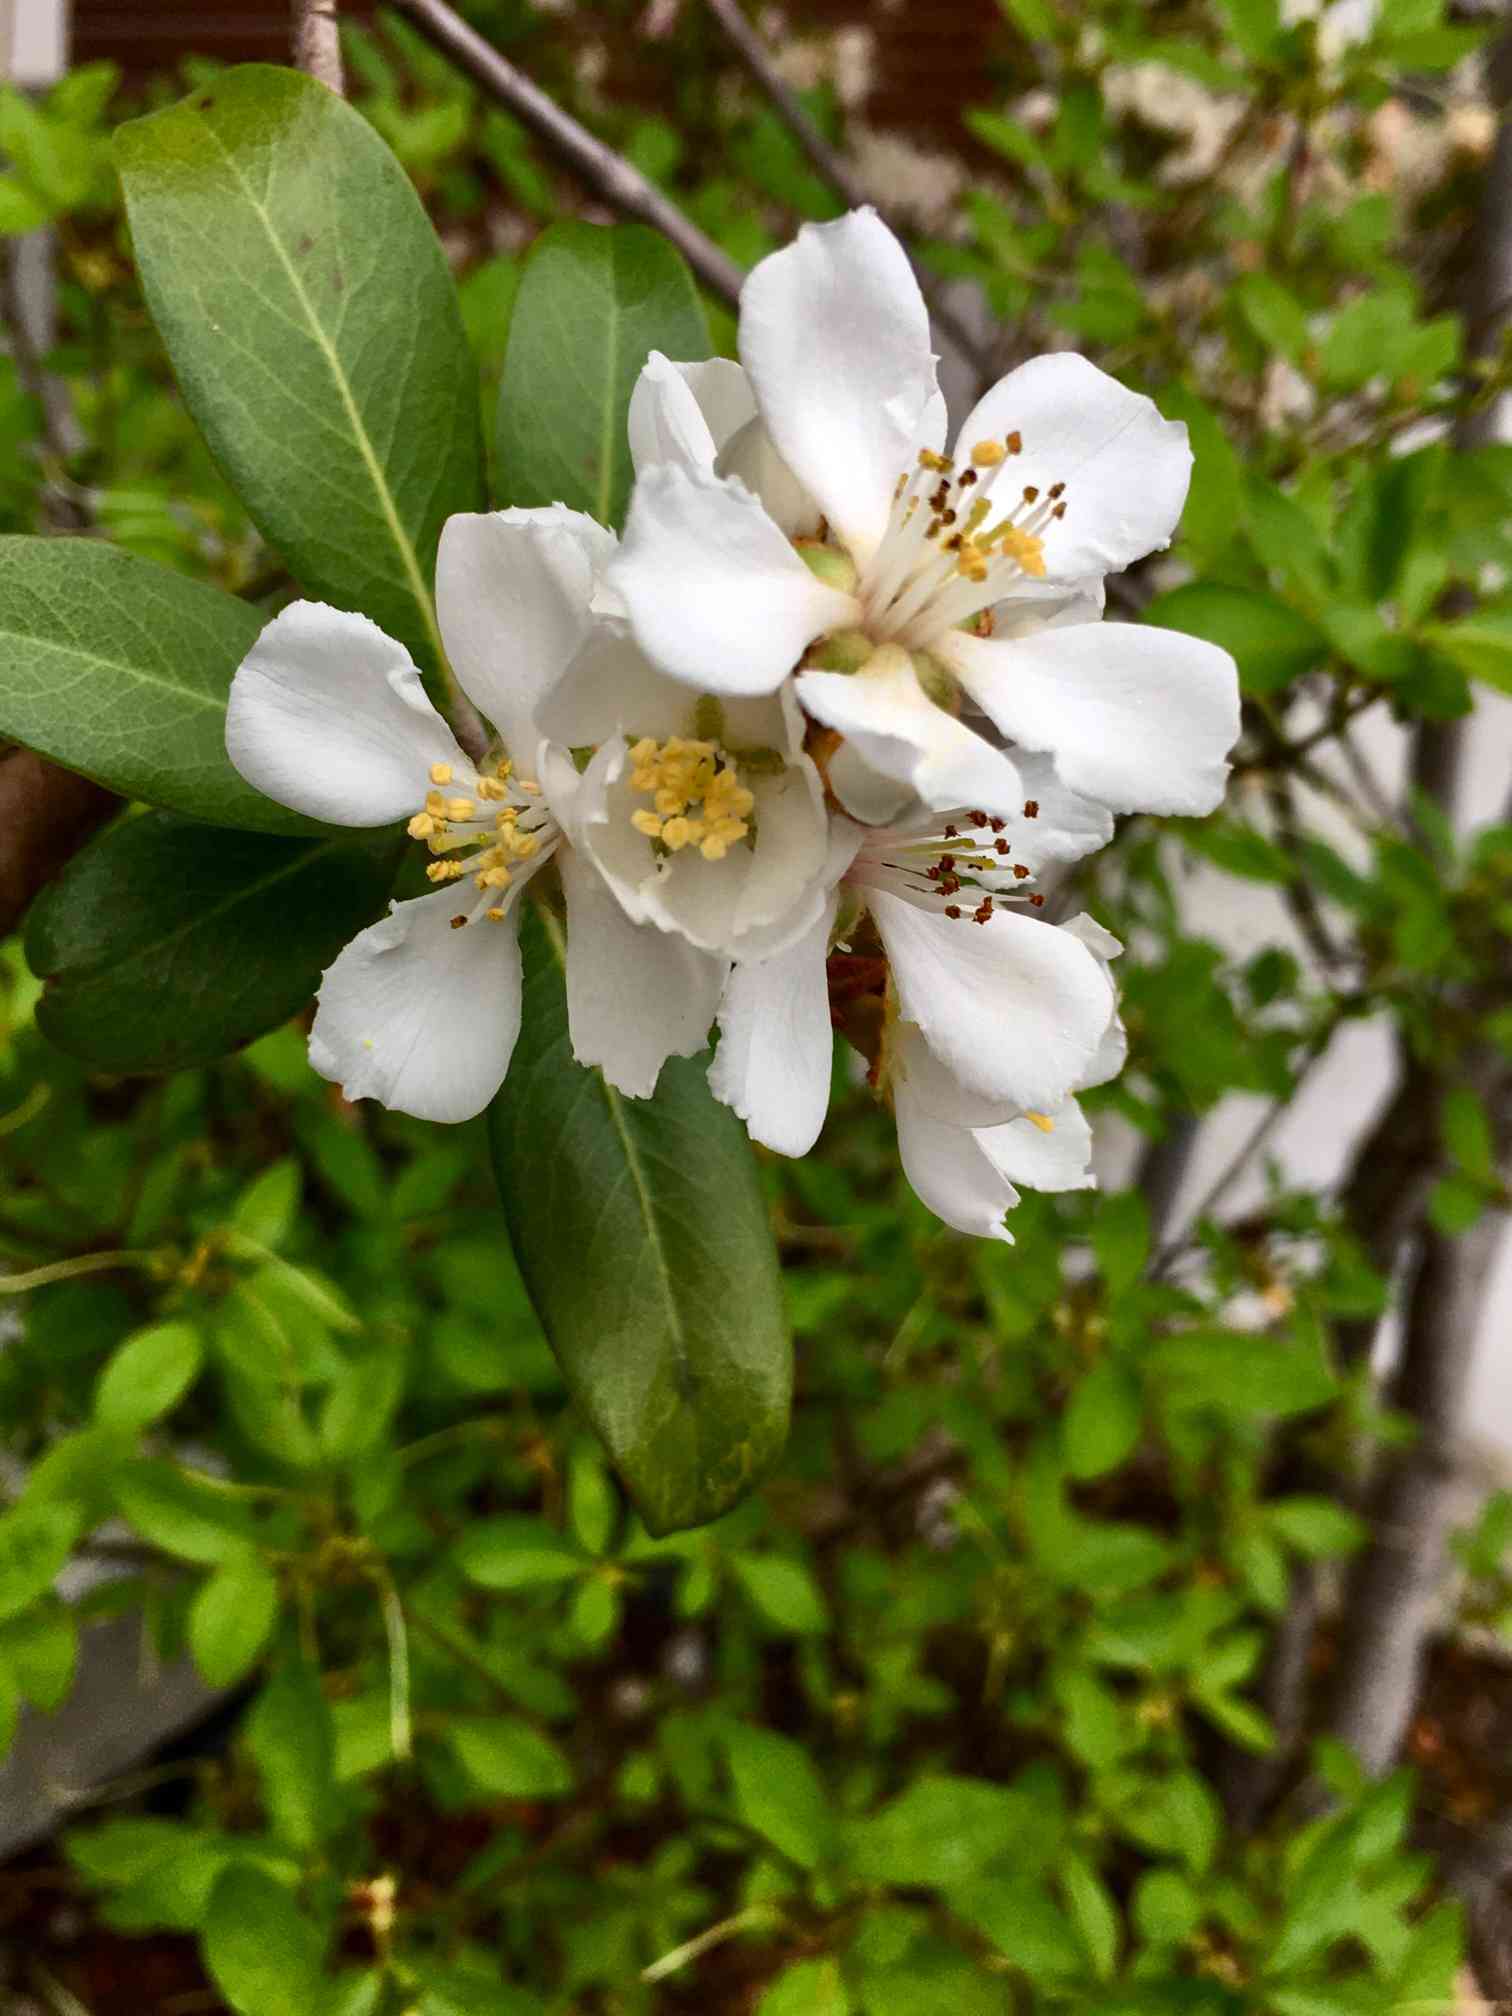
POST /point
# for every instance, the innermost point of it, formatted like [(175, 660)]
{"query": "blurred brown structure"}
[(151, 35)]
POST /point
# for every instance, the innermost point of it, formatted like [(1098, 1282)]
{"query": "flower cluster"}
[(801, 745)]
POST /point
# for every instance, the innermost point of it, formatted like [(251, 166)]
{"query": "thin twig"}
[(831, 165), (317, 43), (607, 173)]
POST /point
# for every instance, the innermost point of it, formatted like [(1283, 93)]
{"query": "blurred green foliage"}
[(946, 1719)]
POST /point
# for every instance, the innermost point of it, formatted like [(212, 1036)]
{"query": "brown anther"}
[(952, 909), (1020, 872), (934, 872), (1059, 511), (1001, 846), (997, 825), (976, 818), (982, 912), (947, 518), (952, 834), (953, 543), (967, 478), (1014, 442), (1037, 900), (1030, 493), (457, 923), (1057, 489), (947, 861), (1031, 809)]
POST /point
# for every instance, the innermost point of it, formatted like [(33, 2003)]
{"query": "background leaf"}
[(314, 327), (642, 1235), (592, 303), (166, 943)]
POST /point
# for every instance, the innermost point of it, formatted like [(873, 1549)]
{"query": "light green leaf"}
[(166, 944), (1316, 1527), (784, 1591), (642, 1236), (1102, 1421), (263, 1954), (171, 1510), (232, 1617), (1093, 1914), (148, 1375), (779, 1793), (812, 1988), (504, 1756), (593, 302), (35, 1542), (292, 1738), (517, 1552), (119, 669), (39, 1650), (309, 313), (1271, 642)]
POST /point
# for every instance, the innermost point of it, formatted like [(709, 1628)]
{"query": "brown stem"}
[(317, 43), (604, 171)]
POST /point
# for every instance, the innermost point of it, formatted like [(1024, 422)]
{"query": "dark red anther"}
[(1001, 846), (952, 909), (982, 912), (1031, 810), (1030, 493), (951, 833), (1038, 901), (947, 862), (998, 824), (1057, 489), (1021, 873)]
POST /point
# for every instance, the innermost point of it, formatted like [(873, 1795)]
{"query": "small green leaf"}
[(148, 1375), (166, 944), (1316, 1527), (263, 1955), (516, 1552), (265, 1210), (593, 301), (1093, 1914), (311, 318), (232, 1618), (784, 1592), (779, 1793), (185, 1518), (642, 1235), (812, 1988), (1271, 642), (35, 1542), (1102, 1421), (291, 1736), (1467, 1132), (1121, 1239), (119, 669), (40, 1650), (504, 1756)]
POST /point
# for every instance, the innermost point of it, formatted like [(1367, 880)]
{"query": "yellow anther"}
[(941, 464), (490, 787), (1023, 547), (647, 823), (669, 803), (988, 454), (646, 778), (506, 819), (435, 804), (444, 871), (713, 848), (421, 826), (1041, 1120), (525, 845), (460, 809), (494, 878), (528, 785), (494, 915), (441, 773), (643, 751), (677, 833)]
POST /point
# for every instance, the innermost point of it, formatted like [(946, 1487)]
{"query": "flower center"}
[(488, 833), (949, 551), (697, 798), (936, 867)]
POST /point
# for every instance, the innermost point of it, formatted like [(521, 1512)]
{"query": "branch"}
[(317, 43), (832, 167), (604, 171)]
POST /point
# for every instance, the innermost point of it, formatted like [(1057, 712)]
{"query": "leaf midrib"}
[(402, 542)]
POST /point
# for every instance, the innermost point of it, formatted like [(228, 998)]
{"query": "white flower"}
[(938, 581), (704, 817), (329, 716), (1015, 1010)]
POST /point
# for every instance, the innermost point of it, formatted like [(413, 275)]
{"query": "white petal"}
[(1049, 605), (752, 456), (512, 592), (1052, 1156), (685, 413), (867, 794), (950, 1173), (900, 731), (1125, 468), (776, 1045), (635, 996), (1065, 825), (835, 336), (418, 1015), (1014, 1008), (715, 594), (1138, 718), (1098, 940), (612, 688), (327, 715)]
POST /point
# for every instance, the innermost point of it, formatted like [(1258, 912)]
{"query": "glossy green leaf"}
[(593, 302), (311, 318), (119, 669), (148, 1375), (166, 944), (642, 1236), (263, 1954)]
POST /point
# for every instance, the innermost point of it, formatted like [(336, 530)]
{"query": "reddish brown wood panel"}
[(144, 35)]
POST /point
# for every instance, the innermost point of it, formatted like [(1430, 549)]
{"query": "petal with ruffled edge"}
[(1113, 1051), (714, 593), (835, 336), (328, 716), (635, 996), (685, 413), (1137, 718), (1125, 468), (776, 1044), (1013, 1008), (898, 729), (1044, 1151), (512, 591), (420, 1015)]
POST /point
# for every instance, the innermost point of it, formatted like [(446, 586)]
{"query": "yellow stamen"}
[(444, 871), (441, 773), (421, 826), (1041, 1120), (988, 454), (647, 823)]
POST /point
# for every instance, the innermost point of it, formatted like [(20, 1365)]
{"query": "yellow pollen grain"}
[(1041, 1120), (421, 826), (444, 871), (526, 844), (490, 787), (494, 878), (441, 773), (460, 809), (647, 823), (988, 454), (494, 915), (676, 834), (435, 804)]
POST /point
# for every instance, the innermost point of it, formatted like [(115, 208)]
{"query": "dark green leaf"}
[(119, 669), (642, 1235), (309, 313), (166, 943), (593, 302)]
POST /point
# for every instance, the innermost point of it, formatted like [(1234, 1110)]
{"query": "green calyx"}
[(841, 651), (828, 564)]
